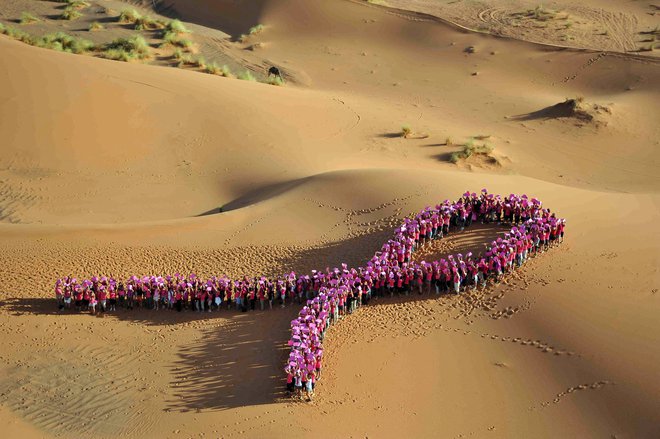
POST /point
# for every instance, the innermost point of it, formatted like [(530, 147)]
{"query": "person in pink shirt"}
[(101, 297), (92, 303), (289, 383), (67, 298), (78, 299), (156, 298), (456, 279), (311, 381), (112, 301), (59, 296), (86, 298)]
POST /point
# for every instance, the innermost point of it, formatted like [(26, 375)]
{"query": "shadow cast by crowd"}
[(237, 365)]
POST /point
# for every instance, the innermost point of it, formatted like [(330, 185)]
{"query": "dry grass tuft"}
[(470, 149), (246, 76), (96, 26), (253, 31), (70, 14), (275, 80), (28, 18), (127, 49), (176, 27), (175, 40)]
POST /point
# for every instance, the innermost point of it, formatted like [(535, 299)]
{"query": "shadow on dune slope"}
[(568, 108), (256, 196), (234, 17)]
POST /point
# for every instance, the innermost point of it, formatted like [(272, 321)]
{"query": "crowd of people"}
[(328, 295), (179, 292), (392, 269)]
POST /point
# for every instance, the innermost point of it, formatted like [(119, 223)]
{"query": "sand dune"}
[(124, 169), (595, 24)]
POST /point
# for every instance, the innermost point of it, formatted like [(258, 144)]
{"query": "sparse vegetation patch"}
[(469, 149), (70, 14), (128, 16), (63, 42), (275, 80), (127, 49), (28, 18), (253, 31), (177, 27), (59, 41), (133, 48), (212, 69), (246, 76), (77, 4), (96, 26), (175, 40), (148, 23)]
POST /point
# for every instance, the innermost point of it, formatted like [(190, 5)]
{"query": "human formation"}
[(393, 271), (328, 295)]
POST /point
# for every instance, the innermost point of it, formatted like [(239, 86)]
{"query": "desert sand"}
[(140, 168)]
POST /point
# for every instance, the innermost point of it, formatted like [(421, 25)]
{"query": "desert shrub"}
[(148, 23), (253, 31), (184, 43), (469, 149), (173, 39), (185, 60), (27, 18), (19, 35), (70, 14), (256, 29), (225, 71), (9, 30), (65, 43), (200, 62), (449, 141), (541, 14), (189, 60), (177, 27), (246, 76), (129, 16), (96, 26), (213, 69), (126, 49), (406, 131), (118, 55), (275, 80), (77, 4)]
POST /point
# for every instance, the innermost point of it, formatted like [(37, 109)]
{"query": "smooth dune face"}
[(122, 169)]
